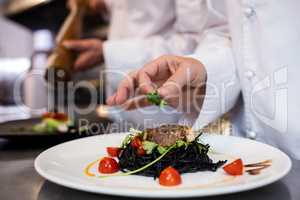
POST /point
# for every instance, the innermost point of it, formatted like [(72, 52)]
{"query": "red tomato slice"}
[(48, 115), (141, 151), (113, 151), (54, 115), (235, 168), (60, 116), (136, 142), (108, 165), (169, 177)]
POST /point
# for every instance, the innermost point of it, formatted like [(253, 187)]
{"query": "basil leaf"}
[(155, 99), (161, 149)]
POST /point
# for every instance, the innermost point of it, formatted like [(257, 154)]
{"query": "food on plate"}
[(53, 122), (164, 152), (168, 145), (155, 98)]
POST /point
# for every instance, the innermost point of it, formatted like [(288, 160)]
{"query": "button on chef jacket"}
[(255, 72)]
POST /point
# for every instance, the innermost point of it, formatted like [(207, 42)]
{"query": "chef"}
[(252, 72), (141, 30)]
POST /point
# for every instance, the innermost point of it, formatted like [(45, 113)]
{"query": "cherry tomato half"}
[(113, 151), (48, 115), (136, 142), (235, 168), (140, 151), (108, 165), (61, 116), (169, 177)]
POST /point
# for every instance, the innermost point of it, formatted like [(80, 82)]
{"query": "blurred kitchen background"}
[(27, 37), (27, 33)]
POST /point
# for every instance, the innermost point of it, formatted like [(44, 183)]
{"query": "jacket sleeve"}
[(222, 87), (180, 38)]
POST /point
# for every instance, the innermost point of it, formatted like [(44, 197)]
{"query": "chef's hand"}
[(90, 52), (180, 81), (96, 6)]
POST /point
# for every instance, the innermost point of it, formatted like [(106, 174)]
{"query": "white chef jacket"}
[(255, 72), (141, 30)]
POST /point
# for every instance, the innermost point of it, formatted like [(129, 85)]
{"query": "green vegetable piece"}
[(155, 99), (39, 128), (47, 126), (161, 149), (52, 125), (180, 143), (83, 128), (149, 146)]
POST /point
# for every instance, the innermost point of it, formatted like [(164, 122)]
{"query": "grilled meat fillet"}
[(167, 135)]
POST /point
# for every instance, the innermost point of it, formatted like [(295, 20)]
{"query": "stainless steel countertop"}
[(19, 180)]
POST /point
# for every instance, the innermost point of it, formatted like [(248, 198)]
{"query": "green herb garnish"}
[(154, 98), (150, 146)]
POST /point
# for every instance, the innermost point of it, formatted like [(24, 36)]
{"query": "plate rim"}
[(165, 192)]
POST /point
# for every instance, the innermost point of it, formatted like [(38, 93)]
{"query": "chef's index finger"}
[(153, 73), (126, 88)]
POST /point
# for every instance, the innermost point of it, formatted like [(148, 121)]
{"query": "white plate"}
[(64, 164)]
